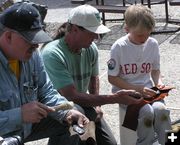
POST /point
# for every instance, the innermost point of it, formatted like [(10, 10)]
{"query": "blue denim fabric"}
[(33, 85)]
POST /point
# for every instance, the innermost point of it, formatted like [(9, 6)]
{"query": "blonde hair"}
[(139, 17)]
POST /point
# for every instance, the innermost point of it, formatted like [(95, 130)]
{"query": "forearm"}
[(94, 85), (89, 100), (156, 77), (120, 83), (60, 115)]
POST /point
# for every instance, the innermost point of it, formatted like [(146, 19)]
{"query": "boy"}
[(135, 64)]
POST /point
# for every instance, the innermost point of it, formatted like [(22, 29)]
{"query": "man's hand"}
[(77, 117), (128, 97), (148, 93), (34, 111)]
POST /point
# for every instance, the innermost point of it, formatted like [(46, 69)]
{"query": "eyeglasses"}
[(33, 46), (20, 35), (16, 32)]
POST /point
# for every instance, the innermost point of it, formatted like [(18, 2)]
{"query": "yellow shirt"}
[(14, 65)]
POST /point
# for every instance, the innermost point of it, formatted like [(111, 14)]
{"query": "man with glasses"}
[(27, 97), (71, 61)]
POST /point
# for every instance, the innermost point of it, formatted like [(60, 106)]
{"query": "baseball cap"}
[(25, 19), (87, 17)]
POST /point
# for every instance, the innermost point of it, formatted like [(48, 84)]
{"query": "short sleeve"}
[(56, 68), (114, 61)]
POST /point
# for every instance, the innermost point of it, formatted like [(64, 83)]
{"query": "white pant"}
[(153, 120)]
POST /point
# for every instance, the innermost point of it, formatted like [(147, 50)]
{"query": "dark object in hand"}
[(136, 95), (160, 93), (78, 129)]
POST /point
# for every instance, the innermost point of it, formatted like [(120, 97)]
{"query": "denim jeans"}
[(58, 133), (15, 140)]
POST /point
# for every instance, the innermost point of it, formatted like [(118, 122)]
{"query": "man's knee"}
[(15, 140)]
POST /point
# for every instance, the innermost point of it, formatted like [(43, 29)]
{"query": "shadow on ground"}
[(176, 39), (117, 31)]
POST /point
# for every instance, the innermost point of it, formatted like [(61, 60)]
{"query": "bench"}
[(103, 8), (78, 2), (174, 2), (110, 9), (165, 28)]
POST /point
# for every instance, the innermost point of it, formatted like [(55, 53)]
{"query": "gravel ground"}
[(169, 49)]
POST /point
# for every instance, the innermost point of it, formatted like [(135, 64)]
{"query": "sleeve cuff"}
[(16, 117)]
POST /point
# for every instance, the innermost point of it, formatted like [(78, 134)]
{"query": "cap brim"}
[(36, 36), (98, 29)]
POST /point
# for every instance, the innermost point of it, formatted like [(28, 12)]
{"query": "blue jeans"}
[(58, 133)]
